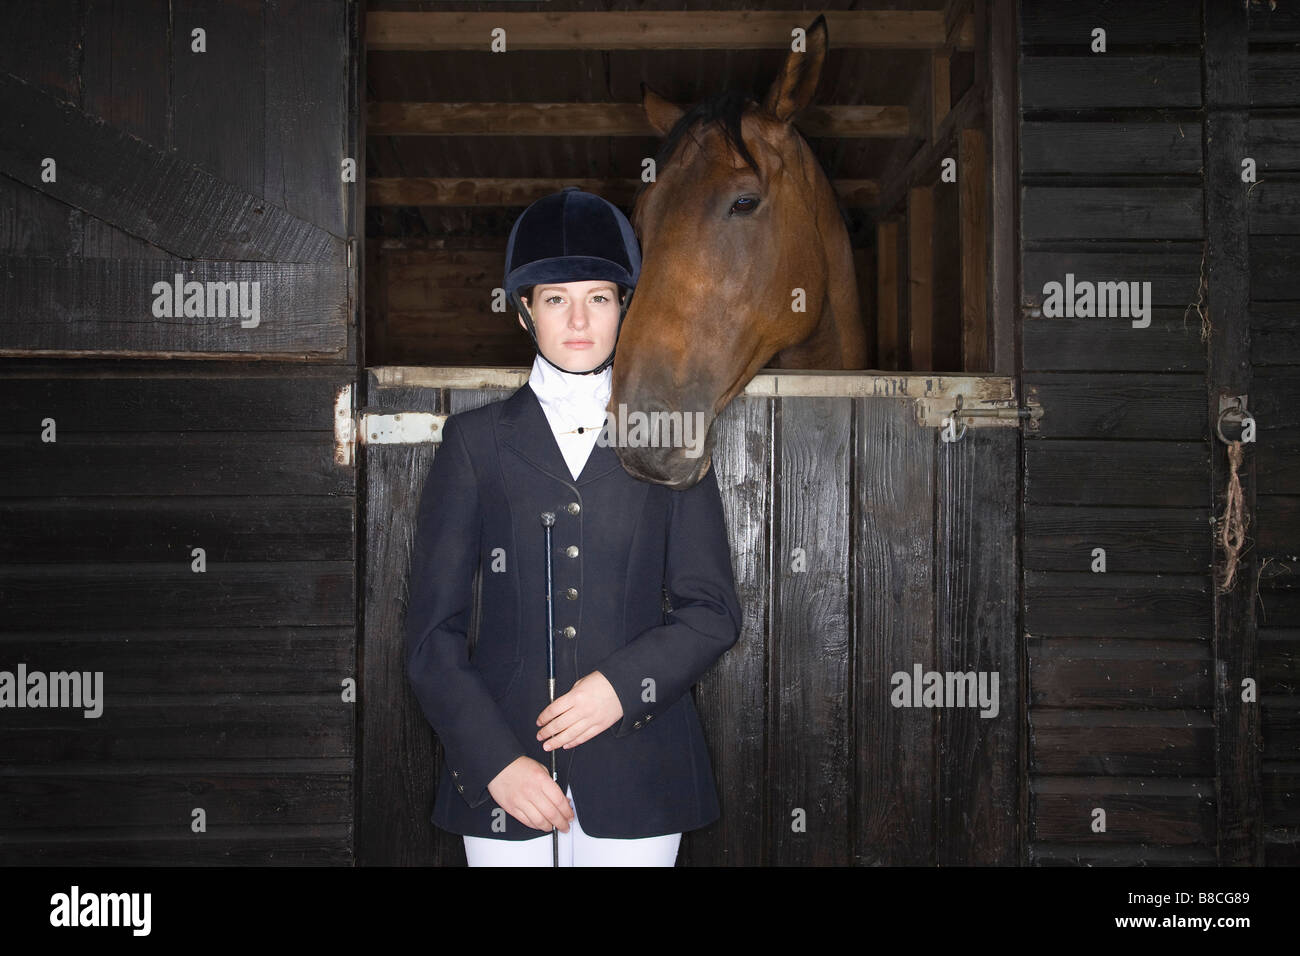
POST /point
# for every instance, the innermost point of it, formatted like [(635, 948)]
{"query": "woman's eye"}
[(745, 205), (550, 298)]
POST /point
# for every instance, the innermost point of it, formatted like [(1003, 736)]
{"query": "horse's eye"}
[(744, 205)]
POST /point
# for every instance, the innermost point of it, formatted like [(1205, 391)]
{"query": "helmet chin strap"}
[(532, 333)]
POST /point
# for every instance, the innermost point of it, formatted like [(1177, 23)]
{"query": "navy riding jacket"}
[(618, 544)]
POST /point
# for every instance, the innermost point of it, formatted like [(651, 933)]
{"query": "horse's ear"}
[(661, 113), (795, 85)]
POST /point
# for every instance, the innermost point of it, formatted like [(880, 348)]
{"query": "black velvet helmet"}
[(571, 236)]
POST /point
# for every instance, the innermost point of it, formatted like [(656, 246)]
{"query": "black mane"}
[(725, 110)]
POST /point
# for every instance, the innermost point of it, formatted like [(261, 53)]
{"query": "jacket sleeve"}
[(476, 738), (705, 620)]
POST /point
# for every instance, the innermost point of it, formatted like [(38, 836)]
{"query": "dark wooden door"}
[(176, 516), (864, 547)]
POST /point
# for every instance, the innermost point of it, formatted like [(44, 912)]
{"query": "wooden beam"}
[(958, 22), (1238, 753), (887, 316), (599, 119), (920, 278), (143, 190), (923, 167), (940, 92), (972, 184), (1003, 127), (660, 30), (507, 191)]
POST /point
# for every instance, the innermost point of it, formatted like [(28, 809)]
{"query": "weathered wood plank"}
[(888, 320), (1110, 82), (1119, 855), (144, 190), (1231, 215), (920, 278), (1108, 743), (657, 30), (1158, 407), (169, 399), (183, 727), (1112, 673), (160, 465), (946, 328), (1273, 79), (310, 845), (144, 529), (601, 119), (202, 660), (107, 306), (44, 47), (974, 230), (1279, 526), (1110, 149), (1111, 212), (1165, 813), (1082, 604), (1171, 343), (894, 464), (1273, 142), (731, 698), (125, 67), (1136, 540), (1273, 207), (1162, 22), (396, 785), (221, 92), (809, 759), (1172, 268), (66, 597), (307, 63), (166, 801), (977, 788), (1275, 466), (522, 190), (33, 224), (1273, 275), (1118, 473)]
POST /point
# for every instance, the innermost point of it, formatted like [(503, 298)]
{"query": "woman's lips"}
[(578, 345)]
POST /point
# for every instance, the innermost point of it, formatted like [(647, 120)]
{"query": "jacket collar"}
[(527, 432)]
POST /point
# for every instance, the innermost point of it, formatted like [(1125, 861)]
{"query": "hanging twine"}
[(1232, 526)]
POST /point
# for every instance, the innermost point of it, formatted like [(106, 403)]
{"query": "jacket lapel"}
[(526, 431)]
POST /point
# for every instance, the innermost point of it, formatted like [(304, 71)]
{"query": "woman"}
[(632, 765)]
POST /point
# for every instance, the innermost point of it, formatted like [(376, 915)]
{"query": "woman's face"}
[(577, 322)]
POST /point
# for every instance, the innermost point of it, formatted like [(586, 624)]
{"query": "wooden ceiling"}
[(459, 138)]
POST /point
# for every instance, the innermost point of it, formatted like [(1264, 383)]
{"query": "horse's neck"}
[(839, 340)]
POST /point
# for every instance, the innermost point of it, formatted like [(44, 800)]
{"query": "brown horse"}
[(739, 219)]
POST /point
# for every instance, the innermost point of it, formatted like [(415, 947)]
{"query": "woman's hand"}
[(525, 790), (590, 706)]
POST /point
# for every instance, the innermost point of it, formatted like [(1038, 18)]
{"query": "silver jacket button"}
[(571, 594), (570, 631), (574, 507), (571, 550)]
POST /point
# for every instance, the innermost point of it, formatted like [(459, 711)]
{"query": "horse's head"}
[(740, 232)]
